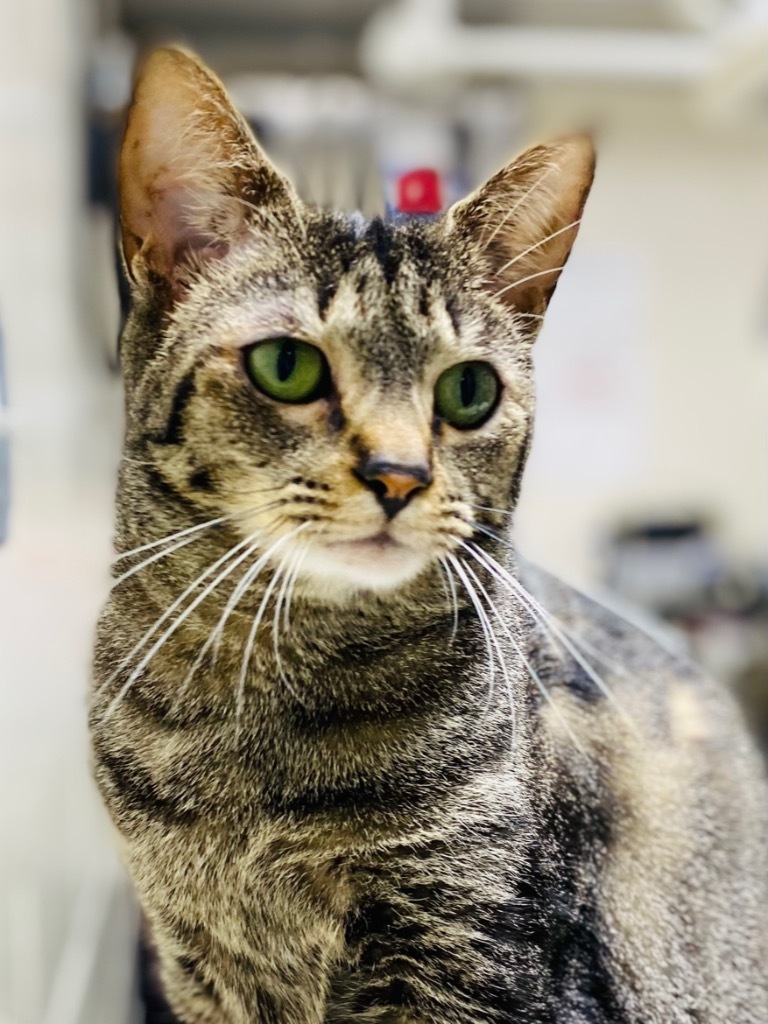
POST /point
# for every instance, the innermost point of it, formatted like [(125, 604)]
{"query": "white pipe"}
[(698, 14), (404, 47), (741, 66)]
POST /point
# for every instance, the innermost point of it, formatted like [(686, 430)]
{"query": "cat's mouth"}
[(378, 542), (375, 562)]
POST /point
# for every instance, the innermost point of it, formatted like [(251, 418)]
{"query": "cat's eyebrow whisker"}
[(450, 588), (527, 278), (502, 660), (248, 650), (176, 622), (485, 242), (531, 670), (536, 245), (537, 611)]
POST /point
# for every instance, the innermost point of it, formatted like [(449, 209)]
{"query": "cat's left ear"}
[(192, 178), (523, 221)]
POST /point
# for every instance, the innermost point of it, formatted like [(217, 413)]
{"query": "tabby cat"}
[(366, 766)]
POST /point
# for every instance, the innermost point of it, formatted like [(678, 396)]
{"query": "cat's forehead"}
[(388, 295), (390, 302), (388, 298)]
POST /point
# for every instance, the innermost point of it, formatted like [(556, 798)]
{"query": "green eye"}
[(287, 369), (466, 394)]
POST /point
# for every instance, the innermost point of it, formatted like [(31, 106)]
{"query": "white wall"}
[(666, 300)]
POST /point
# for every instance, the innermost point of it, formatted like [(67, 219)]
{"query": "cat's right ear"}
[(193, 181), (524, 220)]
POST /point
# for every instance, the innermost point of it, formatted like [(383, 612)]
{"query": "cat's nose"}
[(393, 483)]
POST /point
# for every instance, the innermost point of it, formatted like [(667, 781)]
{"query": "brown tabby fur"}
[(370, 825)]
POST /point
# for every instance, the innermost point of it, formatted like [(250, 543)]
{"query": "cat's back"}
[(661, 755)]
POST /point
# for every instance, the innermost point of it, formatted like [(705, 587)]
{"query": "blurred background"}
[(649, 473)]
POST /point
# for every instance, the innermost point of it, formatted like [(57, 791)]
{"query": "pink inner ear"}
[(176, 221)]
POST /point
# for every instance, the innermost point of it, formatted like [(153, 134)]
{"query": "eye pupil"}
[(467, 386), (286, 360)]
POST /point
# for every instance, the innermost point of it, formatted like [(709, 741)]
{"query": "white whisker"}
[(152, 558), (248, 577), (491, 640), (482, 618), (450, 594), (537, 245), (489, 508), (502, 661), (484, 243), (176, 603), (281, 596), (257, 621), (578, 640), (537, 611), (289, 596), (215, 636), (178, 621), (526, 279), (531, 670), (172, 537), (170, 610)]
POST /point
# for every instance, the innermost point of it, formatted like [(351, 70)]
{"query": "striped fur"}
[(364, 824)]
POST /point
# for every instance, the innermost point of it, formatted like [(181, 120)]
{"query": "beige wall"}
[(675, 243)]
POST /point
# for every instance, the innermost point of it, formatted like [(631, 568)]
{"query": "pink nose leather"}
[(398, 485)]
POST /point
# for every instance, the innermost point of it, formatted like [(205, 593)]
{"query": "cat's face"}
[(355, 396)]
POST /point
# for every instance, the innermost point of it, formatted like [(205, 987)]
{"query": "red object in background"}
[(419, 191)]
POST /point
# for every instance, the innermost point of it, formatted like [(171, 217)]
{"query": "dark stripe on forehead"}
[(326, 290), (331, 243), (382, 241), (452, 308)]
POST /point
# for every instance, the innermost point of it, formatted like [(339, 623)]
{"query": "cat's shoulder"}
[(633, 676)]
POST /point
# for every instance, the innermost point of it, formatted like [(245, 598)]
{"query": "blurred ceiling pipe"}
[(415, 43), (741, 70), (698, 14)]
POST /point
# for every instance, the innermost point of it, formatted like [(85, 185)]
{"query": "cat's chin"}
[(375, 564)]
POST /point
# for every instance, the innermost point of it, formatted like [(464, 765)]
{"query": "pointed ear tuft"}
[(192, 178), (523, 221)]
